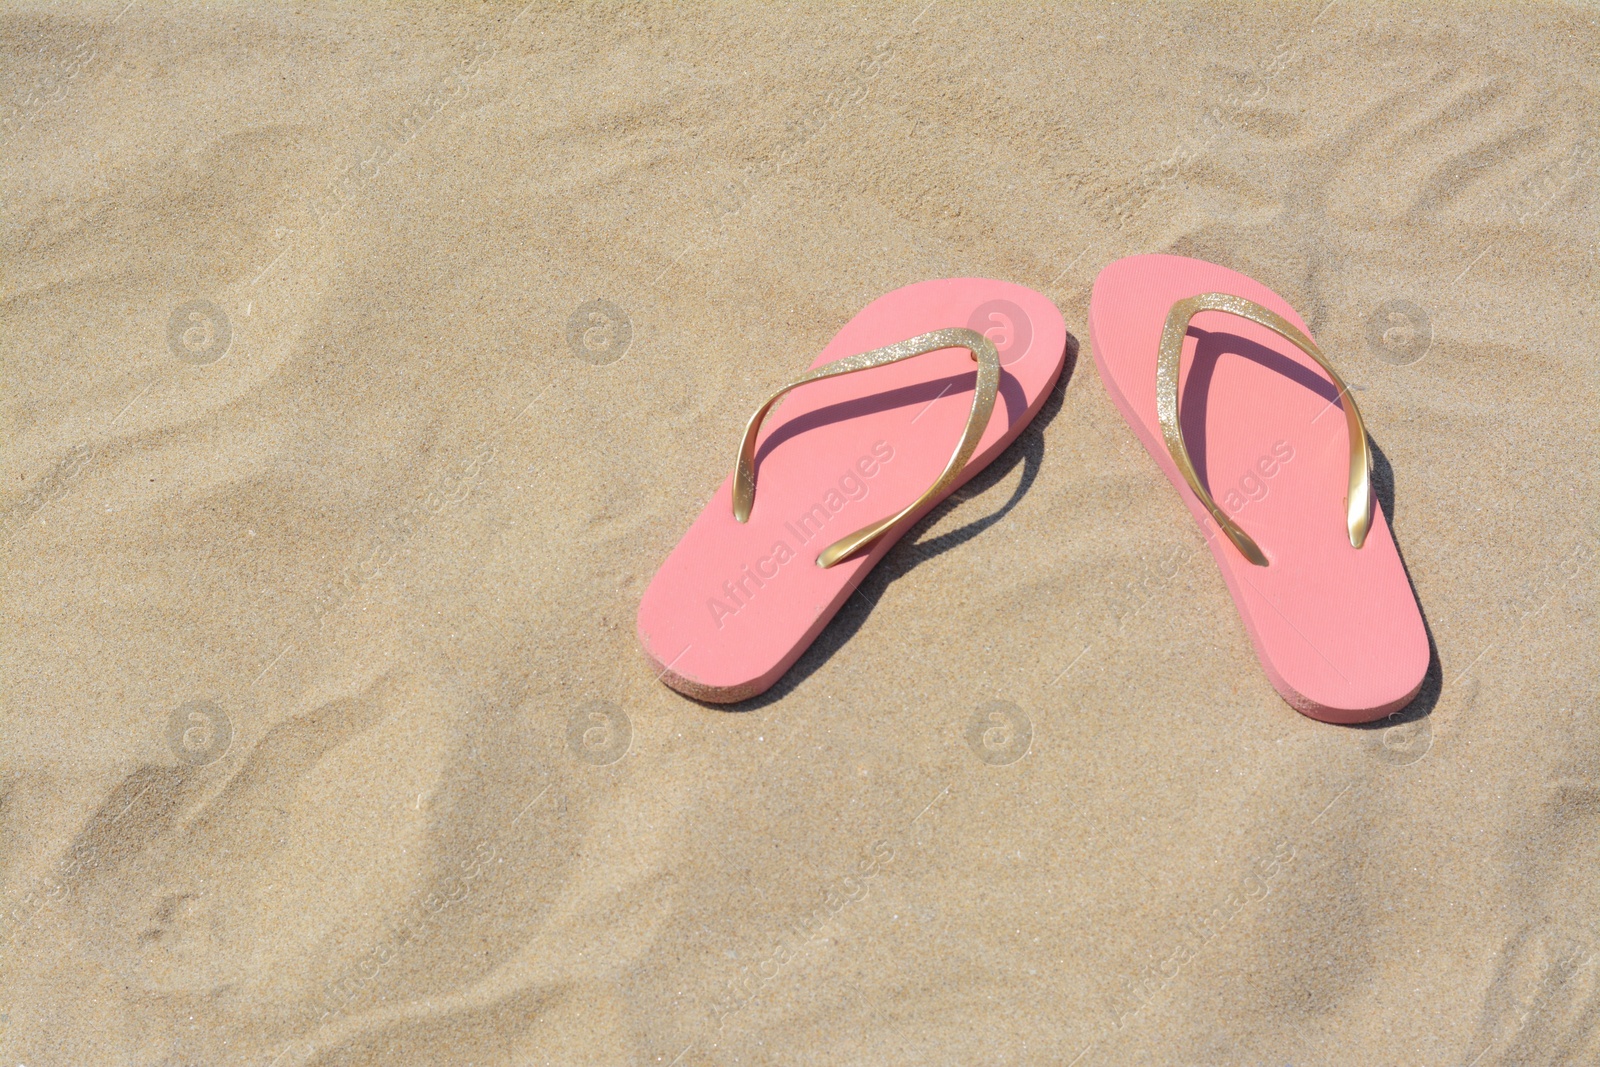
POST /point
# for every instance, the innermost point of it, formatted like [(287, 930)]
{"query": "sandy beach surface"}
[(362, 363)]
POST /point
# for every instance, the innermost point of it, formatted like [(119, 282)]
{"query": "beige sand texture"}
[(363, 362)]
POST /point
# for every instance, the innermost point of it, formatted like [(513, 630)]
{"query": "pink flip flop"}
[(845, 467), (1266, 446)]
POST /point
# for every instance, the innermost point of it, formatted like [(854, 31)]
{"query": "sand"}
[(363, 362)]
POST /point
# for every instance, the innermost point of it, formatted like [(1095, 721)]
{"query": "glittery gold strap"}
[(983, 351), (1358, 501)]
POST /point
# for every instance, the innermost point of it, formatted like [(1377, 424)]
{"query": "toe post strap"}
[(1358, 499), (983, 398)]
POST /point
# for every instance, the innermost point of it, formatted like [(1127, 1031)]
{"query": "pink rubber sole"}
[(735, 604), (1336, 628)]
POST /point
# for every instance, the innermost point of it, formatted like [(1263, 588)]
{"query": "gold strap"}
[(1358, 501), (983, 351)]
